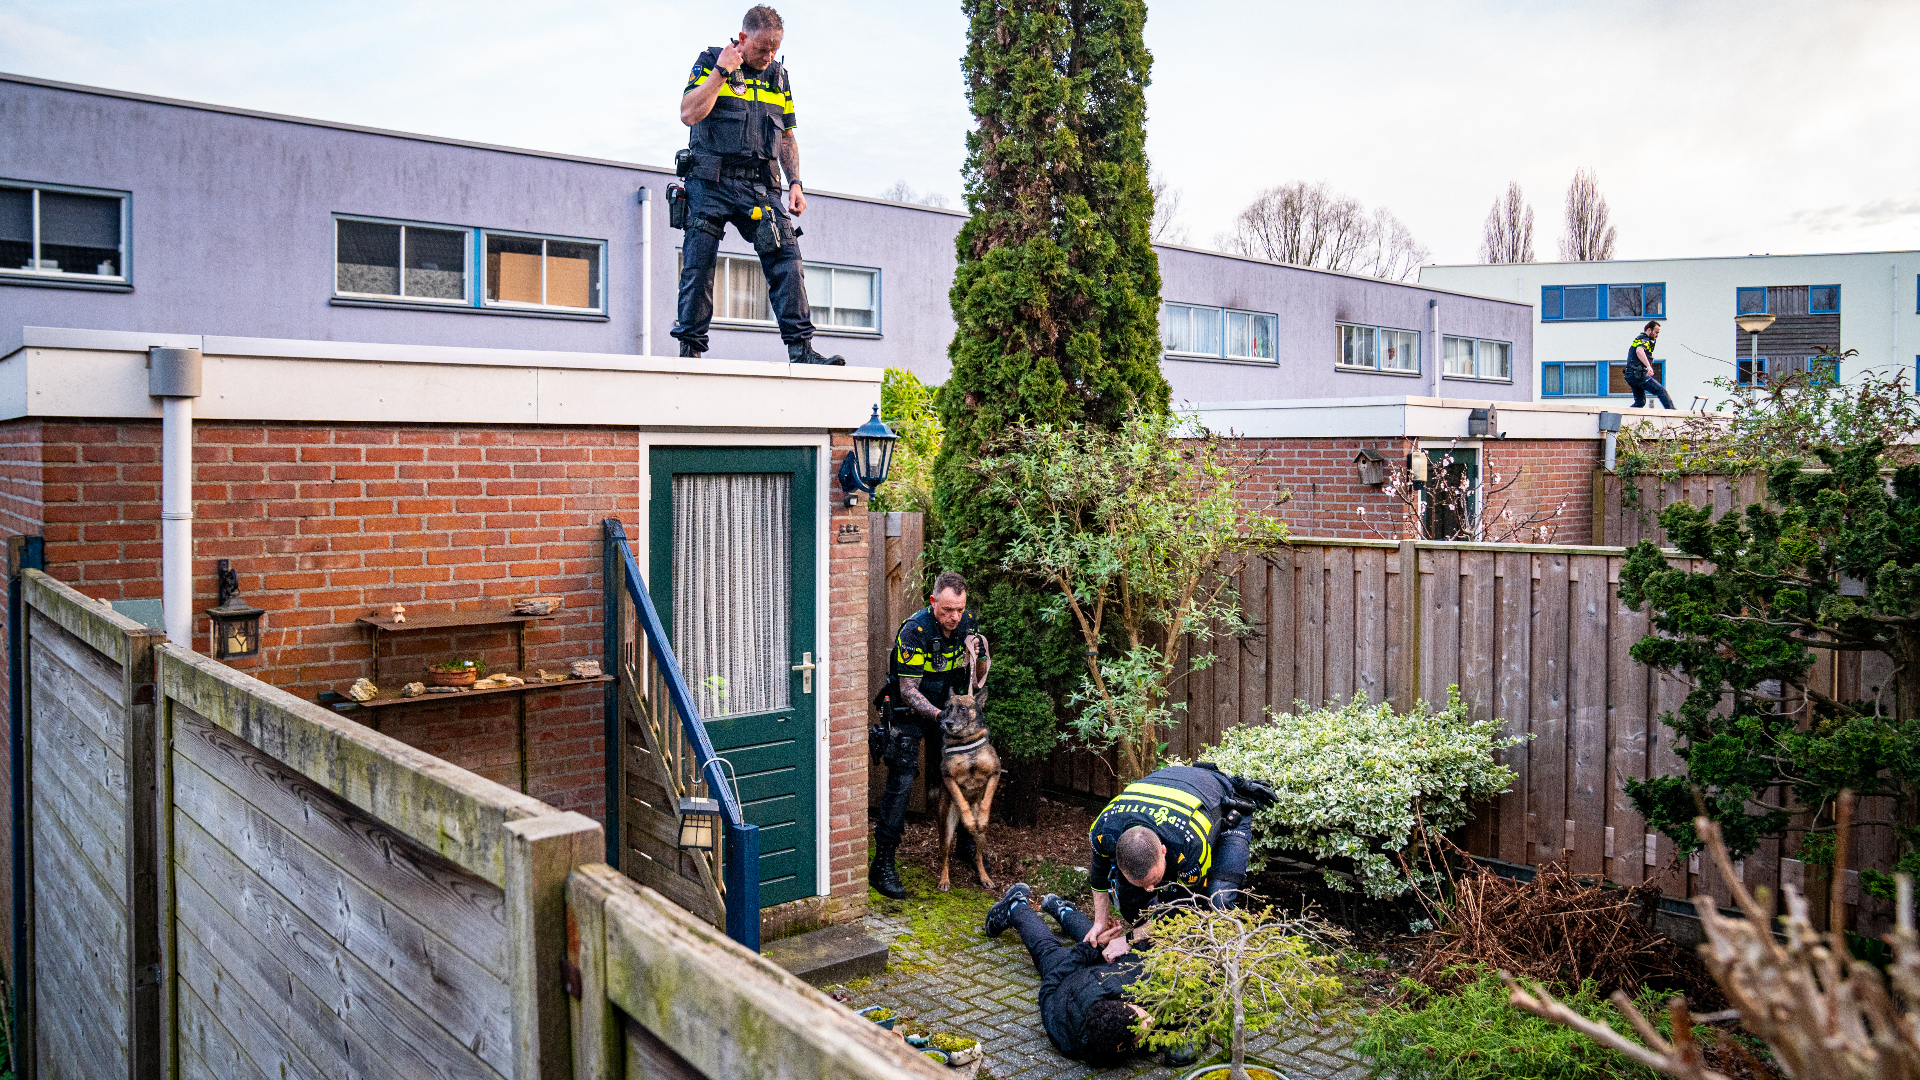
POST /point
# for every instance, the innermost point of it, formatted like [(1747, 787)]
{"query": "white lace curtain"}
[(731, 593)]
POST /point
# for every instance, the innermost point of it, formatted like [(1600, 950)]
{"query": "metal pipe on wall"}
[(646, 273), (1433, 306), (173, 376)]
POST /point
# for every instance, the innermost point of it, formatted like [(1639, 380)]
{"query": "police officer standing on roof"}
[(1181, 831), (928, 661), (739, 103)]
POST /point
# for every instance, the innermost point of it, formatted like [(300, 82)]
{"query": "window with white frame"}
[(843, 297), (56, 232), (395, 260), (1200, 331), (544, 271), (1378, 348), (1476, 358)]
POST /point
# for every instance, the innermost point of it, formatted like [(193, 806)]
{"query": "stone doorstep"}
[(833, 954)]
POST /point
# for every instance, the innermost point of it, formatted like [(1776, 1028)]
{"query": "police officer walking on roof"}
[(739, 103), (1180, 831), (929, 660)]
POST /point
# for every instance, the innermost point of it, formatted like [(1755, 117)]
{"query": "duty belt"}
[(752, 170)]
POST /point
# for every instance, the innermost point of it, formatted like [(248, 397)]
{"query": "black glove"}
[(1254, 791)]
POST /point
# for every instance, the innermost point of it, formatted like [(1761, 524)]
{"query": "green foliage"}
[(1788, 416), (1056, 294), (1362, 782), (1833, 563), (1221, 974), (1473, 1034), (1128, 526), (906, 404)]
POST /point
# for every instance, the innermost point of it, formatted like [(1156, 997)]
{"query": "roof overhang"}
[(1409, 417), (53, 372)]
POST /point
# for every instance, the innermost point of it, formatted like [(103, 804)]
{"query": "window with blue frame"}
[(1823, 370), (1752, 371), (1596, 379), (1823, 299), (1600, 303), (1750, 301)]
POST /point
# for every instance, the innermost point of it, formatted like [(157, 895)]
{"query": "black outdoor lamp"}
[(866, 465), (236, 625), (697, 820)]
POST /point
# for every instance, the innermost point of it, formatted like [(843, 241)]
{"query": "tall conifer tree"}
[(1056, 301)]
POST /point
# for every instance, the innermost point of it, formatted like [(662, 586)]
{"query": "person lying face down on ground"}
[(1083, 1001)]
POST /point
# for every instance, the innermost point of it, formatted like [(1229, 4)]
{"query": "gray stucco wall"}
[(232, 234), (1309, 304), (232, 231)]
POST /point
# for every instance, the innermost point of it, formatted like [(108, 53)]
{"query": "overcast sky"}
[(1717, 128)]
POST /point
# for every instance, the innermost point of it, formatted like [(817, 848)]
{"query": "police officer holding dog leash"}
[(739, 105)]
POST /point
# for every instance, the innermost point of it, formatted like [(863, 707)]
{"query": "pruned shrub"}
[(1359, 781)]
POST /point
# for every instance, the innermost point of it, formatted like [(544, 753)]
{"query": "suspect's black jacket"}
[(1069, 991)]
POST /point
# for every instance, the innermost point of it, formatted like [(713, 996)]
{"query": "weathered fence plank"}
[(1370, 621), (1513, 667), (1342, 643), (1587, 712), (1627, 719)]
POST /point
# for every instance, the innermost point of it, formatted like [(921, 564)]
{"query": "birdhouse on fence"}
[(1373, 466)]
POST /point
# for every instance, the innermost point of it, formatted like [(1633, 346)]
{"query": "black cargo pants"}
[(711, 204)]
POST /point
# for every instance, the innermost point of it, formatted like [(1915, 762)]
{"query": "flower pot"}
[(870, 1011), (463, 677), (1259, 1070), (967, 1056), (939, 1057)]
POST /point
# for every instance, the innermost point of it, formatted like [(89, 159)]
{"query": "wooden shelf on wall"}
[(390, 695)]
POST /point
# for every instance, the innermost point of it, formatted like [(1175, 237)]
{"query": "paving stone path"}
[(988, 990)]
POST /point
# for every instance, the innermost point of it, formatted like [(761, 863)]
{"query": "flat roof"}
[(1342, 273), (1677, 258)]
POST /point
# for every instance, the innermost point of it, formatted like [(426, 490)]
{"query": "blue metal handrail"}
[(742, 844)]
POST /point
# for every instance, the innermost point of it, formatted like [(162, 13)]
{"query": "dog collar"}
[(966, 748)]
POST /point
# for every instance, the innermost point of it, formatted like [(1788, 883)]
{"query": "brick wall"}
[(1328, 499), (325, 523)]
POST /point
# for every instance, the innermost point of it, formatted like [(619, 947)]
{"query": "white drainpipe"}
[(173, 376), (646, 273), (1434, 307)]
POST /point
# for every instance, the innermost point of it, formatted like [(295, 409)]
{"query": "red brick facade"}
[(1329, 500), (325, 523)]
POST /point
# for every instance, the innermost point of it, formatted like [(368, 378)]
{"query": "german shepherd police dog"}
[(969, 767)]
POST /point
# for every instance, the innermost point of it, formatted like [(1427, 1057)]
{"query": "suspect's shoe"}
[(687, 350), (1001, 915), (1052, 904), (802, 353), (885, 877)]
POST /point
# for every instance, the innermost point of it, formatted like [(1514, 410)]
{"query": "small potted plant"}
[(1217, 975), (456, 672), (961, 1050), (879, 1014)]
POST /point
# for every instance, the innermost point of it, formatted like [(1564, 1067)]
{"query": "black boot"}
[(802, 353), (687, 350), (1055, 906), (884, 876)]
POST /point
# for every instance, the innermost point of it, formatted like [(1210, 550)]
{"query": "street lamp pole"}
[(1753, 324)]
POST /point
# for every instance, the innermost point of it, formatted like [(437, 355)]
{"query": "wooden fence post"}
[(541, 852), (1409, 675), (141, 754)]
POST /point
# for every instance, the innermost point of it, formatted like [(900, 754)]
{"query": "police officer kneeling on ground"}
[(929, 659), (1182, 830), (739, 103)]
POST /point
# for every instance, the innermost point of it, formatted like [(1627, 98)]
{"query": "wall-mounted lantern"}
[(1373, 466), (236, 625), (699, 819), (866, 465)]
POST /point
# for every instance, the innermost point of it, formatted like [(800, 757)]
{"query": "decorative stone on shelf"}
[(362, 690), (585, 669)]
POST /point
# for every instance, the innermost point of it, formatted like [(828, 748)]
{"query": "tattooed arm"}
[(917, 701)]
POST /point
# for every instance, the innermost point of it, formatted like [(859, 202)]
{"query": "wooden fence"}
[(1626, 510), (1535, 636), (666, 996), (896, 589), (227, 881)]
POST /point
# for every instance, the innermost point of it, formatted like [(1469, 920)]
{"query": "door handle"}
[(805, 667)]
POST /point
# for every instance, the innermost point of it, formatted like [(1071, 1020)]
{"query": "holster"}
[(676, 206), (881, 735)]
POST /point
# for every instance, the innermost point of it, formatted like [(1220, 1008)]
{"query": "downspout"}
[(173, 376), (1433, 306), (646, 272)]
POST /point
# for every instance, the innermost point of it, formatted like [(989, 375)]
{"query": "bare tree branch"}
[(1308, 225), (1508, 235), (1166, 226), (1588, 237)]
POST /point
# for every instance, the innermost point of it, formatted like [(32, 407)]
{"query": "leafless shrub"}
[(1588, 238), (1308, 225), (903, 192), (1508, 234), (1823, 1012), (1452, 506)]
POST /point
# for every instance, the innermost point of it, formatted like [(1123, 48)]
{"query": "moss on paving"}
[(938, 924)]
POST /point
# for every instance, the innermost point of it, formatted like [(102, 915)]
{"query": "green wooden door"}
[(731, 553)]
